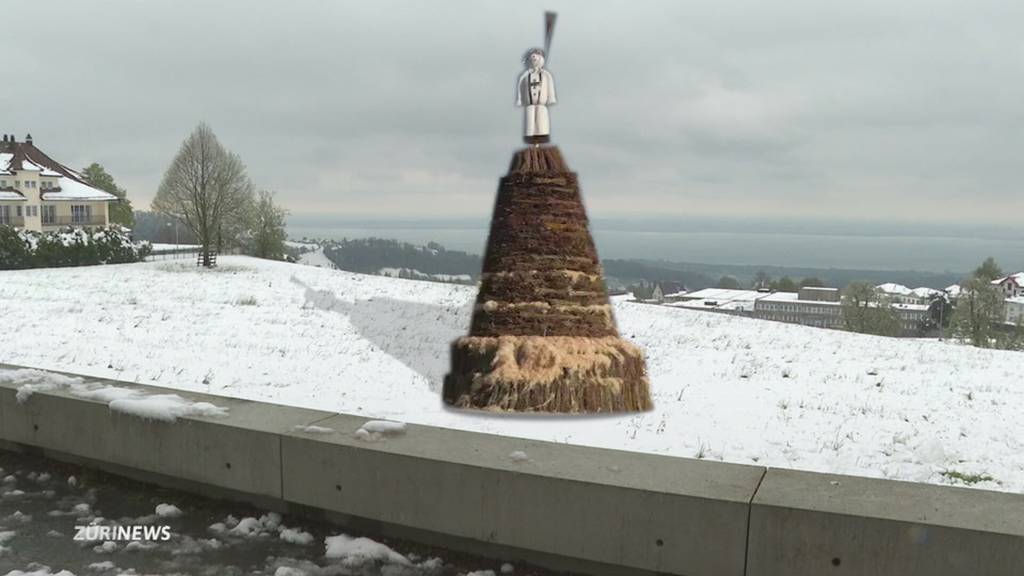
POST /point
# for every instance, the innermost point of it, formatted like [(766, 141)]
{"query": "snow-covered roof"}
[(725, 294), (25, 157), (1017, 279), (781, 297), (711, 303), (795, 297), (925, 292), (893, 288), (953, 290), (70, 189), (9, 194), (1016, 300)]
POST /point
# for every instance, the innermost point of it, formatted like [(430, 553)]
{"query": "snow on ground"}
[(316, 258), (163, 247), (725, 388)]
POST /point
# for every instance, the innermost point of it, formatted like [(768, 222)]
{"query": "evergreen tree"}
[(786, 284), (729, 283), (988, 270), (120, 211)]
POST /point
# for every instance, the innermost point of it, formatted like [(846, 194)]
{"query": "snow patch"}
[(296, 536), (375, 430), (168, 511), (313, 429), (163, 407), (39, 570), (358, 552)]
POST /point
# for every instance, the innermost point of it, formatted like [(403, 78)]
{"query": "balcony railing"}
[(75, 221), (12, 221)]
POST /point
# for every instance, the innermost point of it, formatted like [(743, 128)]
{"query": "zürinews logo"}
[(123, 533)]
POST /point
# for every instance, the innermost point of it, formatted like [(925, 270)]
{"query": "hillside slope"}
[(725, 388)]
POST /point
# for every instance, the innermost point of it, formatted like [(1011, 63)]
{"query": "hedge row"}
[(67, 247)]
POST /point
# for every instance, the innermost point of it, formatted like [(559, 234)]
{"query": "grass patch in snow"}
[(967, 479), (246, 301)]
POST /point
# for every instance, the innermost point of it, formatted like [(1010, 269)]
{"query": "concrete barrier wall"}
[(805, 523), (567, 507)]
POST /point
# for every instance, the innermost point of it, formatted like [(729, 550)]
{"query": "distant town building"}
[(1012, 285), (720, 300), (912, 317), (39, 193), (900, 294), (667, 292), (811, 306), (1015, 310)]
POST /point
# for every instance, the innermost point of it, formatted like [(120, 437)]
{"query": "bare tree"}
[(207, 188)]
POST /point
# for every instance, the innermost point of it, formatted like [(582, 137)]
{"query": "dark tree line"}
[(369, 255)]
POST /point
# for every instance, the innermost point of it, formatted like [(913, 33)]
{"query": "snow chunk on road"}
[(296, 536), (356, 552), (250, 527), (39, 570), (101, 566), (519, 456), (375, 430), (168, 511)]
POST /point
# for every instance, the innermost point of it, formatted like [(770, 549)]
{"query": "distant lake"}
[(876, 246)]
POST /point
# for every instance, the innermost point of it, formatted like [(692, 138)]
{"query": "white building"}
[(721, 300), (812, 306), (1012, 285), (1015, 310), (39, 193), (900, 294)]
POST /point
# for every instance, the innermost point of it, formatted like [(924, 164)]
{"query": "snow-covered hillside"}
[(725, 388)]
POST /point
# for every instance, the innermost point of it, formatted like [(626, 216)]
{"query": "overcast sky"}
[(907, 110)]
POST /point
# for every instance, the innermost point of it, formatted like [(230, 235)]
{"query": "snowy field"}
[(725, 388)]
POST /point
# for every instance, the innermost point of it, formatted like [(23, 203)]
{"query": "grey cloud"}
[(405, 108)]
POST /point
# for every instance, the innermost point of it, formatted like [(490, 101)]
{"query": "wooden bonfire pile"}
[(543, 337)]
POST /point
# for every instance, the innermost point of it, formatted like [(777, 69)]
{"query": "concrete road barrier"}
[(575, 508), (805, 523)]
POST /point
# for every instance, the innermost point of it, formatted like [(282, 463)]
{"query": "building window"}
[(80, 213), (49, 214), (17, 183), (18, 211), (5, 215)]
